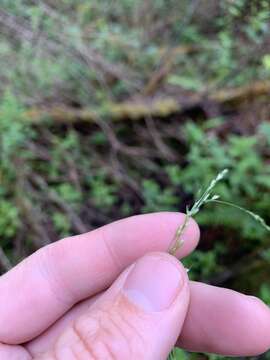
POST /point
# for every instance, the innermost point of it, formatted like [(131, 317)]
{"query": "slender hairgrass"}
[(206, 198)]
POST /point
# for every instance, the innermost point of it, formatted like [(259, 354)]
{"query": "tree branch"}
[(145, 107)]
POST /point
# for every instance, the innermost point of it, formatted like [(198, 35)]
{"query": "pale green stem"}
[(253, 215)]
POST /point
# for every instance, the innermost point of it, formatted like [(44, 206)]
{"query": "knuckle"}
[(108, 335), (112, 256), (46, 259)]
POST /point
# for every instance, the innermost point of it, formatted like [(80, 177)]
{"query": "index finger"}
[(44, 286)]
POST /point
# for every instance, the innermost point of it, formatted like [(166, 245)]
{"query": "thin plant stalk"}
[(252, 214)]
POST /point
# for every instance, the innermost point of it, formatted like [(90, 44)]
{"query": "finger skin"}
[(43, 287), (219, 320), (13, 352), (116, 327), (225, 322)]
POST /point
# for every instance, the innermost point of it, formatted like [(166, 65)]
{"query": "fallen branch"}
[(155, 107), (117, 111), (242, 93)]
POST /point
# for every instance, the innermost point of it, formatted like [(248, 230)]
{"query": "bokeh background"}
[(114, 108)]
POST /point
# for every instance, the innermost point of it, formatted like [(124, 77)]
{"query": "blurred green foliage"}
[(92, 52), (62, 179)]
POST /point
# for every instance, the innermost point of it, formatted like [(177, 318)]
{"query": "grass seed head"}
[(206, 198)]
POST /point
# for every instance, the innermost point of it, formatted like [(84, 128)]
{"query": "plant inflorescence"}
[(208, 197)]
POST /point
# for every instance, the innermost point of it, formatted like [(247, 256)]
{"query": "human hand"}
[(83, 298)]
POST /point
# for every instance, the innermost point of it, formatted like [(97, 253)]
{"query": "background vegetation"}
[(113, 108)]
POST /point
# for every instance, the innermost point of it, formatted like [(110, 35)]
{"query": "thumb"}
[(139, 317)]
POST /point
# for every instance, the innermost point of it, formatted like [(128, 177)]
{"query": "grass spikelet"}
[(206, 198)]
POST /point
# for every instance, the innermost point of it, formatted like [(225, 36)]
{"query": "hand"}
[(109, 294)]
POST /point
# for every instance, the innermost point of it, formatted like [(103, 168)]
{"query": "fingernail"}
[(154, 283)]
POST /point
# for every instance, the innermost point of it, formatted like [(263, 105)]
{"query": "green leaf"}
[(185, 82), (266, 61)]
